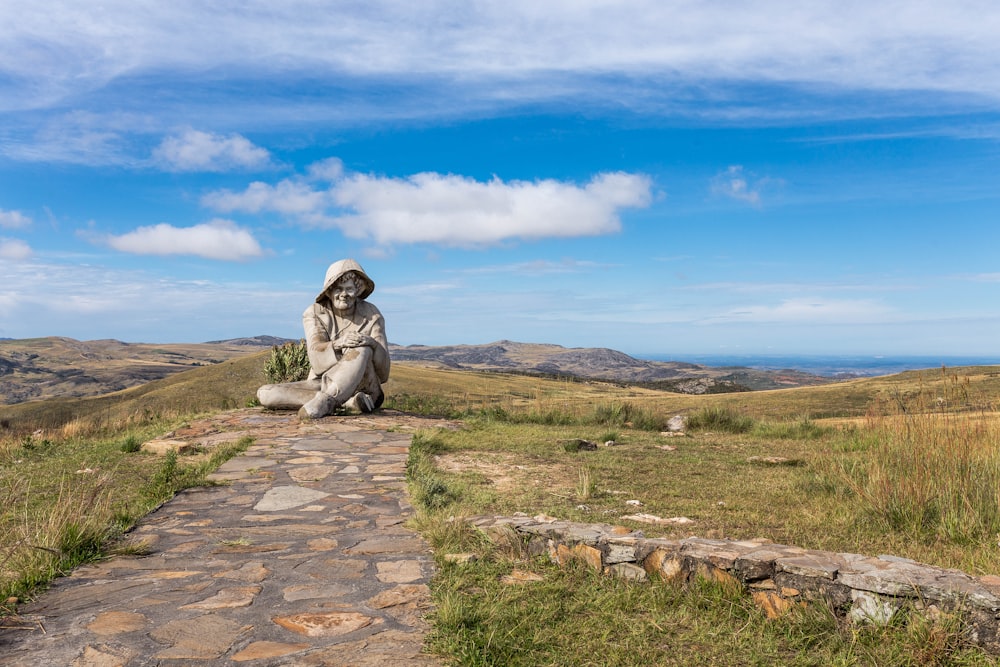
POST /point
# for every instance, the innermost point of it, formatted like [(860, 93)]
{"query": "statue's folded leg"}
[(288, 395), (344, 380)]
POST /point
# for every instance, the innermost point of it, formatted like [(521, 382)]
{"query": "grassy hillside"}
[(414, 386), (58, 367), (905, 464)]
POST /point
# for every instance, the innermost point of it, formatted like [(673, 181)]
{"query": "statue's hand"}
[(354, 339)]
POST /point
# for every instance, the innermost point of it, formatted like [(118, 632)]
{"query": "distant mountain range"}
[(40, 368), (507, 356)]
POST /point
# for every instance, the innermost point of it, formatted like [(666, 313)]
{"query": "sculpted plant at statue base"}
[(347, 349)]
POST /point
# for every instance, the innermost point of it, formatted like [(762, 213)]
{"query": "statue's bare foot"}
[(319, 406), (360, 403)]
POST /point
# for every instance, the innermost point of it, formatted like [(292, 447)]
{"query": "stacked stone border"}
[(776, 576)]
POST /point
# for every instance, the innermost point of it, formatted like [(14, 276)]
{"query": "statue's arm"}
[(319, 345), (380, 358)]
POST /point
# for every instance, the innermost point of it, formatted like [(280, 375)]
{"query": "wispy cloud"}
[(14, 249), (986, 278), (218, 239), (13, 220), (741, 185), (447, 209), (91, 295), (56, 54), (538, 267), (288, 197), (808, 311), (193, 150)]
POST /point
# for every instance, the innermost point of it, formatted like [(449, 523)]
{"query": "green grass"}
[(575, 617), (917, 478), (64, 502), (855, 445)]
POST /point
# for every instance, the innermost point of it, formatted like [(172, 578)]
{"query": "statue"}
[(347, 346)]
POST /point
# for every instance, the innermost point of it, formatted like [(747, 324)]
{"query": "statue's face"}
[(344, 294)]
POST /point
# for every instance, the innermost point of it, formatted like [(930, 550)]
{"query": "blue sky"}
[(663, 177)]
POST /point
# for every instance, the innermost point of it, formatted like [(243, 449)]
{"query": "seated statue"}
[(347, 346)]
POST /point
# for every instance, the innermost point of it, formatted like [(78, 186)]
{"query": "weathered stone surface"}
[(117, 622), (263, 650), (161, 447), (778, 576), (521, 577), (229, 559), (621, 550), (227, 598), (810, 565), (386, 546), (773, 604), (252, 572), (399, 571), (104, 656), (287, 497), (676, 424), (461, 558), (872, 608), (627, 571), (416, 593), (330, 624), (202, 638)]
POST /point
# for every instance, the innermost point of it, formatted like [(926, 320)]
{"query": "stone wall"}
[(776, 576)]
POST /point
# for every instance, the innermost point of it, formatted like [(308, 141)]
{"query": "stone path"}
[(300, 558)]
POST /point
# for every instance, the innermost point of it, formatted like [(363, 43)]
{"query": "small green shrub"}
[(802, 429), (131, 444), (427, 488), (721, 419), (287, 363)]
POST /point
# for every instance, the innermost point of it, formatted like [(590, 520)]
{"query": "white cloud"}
[(62, 49), (736, 183), (218, 239), (103, 302), (808, 311), (447, 209), (287, 197), (194, 150), (540, 267), (330, 169), (13, 219), (458, 211), (14, 249)]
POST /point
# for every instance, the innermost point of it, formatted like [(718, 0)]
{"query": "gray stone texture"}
[(777, 576), (272, 568)]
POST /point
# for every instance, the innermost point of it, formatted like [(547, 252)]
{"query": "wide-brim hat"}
[(337, 271)]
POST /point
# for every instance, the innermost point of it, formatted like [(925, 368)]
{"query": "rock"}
[(774, 461), (653, 519), (331, 624), (162, 446), (461, 559), (579, 445), (676, 424)]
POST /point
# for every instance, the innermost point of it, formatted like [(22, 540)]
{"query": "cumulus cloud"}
[(448, 209), (454, 210), (13, 219), (193, 150), (330, 169), (218, 239), (741, 185), (287, 197), (14, 249)]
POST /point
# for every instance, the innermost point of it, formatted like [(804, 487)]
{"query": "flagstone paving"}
[(299, 557)]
